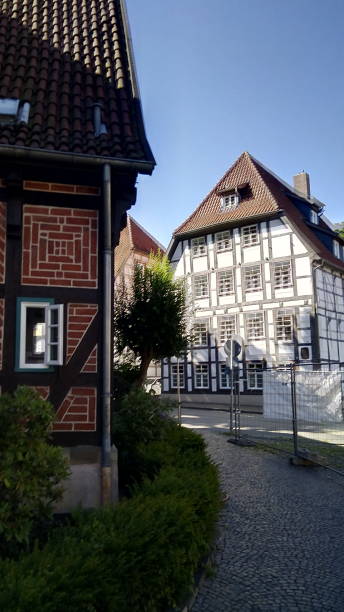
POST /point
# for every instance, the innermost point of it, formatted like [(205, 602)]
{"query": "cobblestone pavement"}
[(280, 544)]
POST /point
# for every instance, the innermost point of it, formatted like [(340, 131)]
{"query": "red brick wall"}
[(79, 318), (90, 366), (2, 241), (60, 247), (78, 411), (43, 391)]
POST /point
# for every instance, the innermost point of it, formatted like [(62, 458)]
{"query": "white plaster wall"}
[(302, 266), (280, 246), (200, 355), (298, 246), (200, 264), (283, 293), (224, 259), (304, 286), (278, 227), (251, 254), (178, 268), (254, 296), (178, 252)]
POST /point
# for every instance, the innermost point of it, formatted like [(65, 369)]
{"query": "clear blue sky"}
[(218, 77)]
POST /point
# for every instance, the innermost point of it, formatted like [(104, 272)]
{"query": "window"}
[(255, 325), (201, 376), (282, 274), (314, 217), (175, 368), (40, 334), (12, 110), (198, 246), (284, 325), (336, 249), (227, 328), (254, 375), (252, 278), (200, 333), (228, 202), (225, 376), (225, 282), (201, 286), (250, 235), (223, 241)]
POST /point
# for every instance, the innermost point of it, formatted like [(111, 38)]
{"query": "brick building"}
[(72, 143), (262, 261)]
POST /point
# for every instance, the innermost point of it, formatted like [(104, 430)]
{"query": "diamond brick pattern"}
[(77, 411), (60, 247), (3, 211), (63, 57), (79, 318), (90, 366)]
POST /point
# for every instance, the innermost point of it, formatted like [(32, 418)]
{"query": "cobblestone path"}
[(280, 545)]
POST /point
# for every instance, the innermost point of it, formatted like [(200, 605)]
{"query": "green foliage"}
[(150, 318), (125, 375), (30, 468), (137, 557)]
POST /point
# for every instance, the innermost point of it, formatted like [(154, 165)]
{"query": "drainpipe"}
[(106, 485)]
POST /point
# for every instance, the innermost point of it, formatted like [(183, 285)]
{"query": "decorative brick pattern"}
[(77, 411), (43, 391), (2, 320), (3, 211), (79, 318), (60, 188), (60, 247), (90, 366)]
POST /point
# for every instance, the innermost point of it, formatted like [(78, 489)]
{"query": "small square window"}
[(200, 333), (40, 334), (252, 278), (223, 241), (201, 376), (282, 274), (201, 289), (225, 282), (250, 235), (198, 246), (177, 368), (228, 202)]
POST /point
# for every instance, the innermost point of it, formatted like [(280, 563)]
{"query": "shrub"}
[(125, 375), (30, 468)]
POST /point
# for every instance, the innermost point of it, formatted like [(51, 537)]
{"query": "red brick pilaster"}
[(79, 318), (78, 411)]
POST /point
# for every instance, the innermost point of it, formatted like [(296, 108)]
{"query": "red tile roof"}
[(141, 240), (267, 196), (63, 57)]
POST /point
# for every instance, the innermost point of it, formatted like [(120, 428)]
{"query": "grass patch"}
[(333, 454)]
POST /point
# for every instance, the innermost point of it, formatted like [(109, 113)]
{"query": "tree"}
[(150, 316)]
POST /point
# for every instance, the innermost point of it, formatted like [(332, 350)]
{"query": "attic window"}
[(229, 201), (12, 111), (336, 249), (99, 126), (314, 217)]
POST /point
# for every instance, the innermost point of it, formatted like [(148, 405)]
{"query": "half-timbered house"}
[(262, 261), (72, 143)]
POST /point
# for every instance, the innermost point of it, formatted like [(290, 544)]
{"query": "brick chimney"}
[(301, 183)]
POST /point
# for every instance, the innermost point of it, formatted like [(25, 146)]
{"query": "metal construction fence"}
[(302, 414)]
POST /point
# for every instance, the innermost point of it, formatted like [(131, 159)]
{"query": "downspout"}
[(106, 484)]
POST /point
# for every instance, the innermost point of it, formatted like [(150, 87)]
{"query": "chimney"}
[(301, 184)]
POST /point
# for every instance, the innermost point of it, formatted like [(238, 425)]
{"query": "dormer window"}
[(314, 217), (99, 126), (336, 249), (229, 201), (12, 111)]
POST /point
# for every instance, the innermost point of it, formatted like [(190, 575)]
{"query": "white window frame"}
[(256, 272), (201, 370), (174, 375), (314, 217), (229, 201), (224, 374), (254, 373), (197, 277), (283, 275), (49, 344), (223, 331), (336, 249), (202, 334), (224, 278), (223, 241), (198, 246), (249, 235), (255, 326), (281, 323)]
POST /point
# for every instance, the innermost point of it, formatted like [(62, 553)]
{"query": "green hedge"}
[(139, 556)]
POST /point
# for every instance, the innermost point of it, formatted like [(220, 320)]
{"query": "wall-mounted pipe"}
[(107, 340)]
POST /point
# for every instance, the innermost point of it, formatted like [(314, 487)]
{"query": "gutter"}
[(106, 475), (28, 154)]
